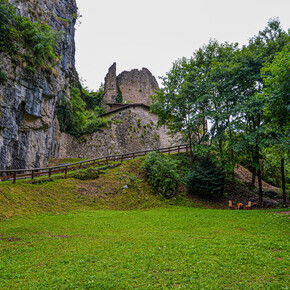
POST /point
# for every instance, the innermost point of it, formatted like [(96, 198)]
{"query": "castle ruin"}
[(132, 128), (136, 87)]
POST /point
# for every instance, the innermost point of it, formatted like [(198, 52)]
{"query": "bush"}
[(31, 42), (206, 179), (162, 173), (75, 119), (93, 99), (86, 174), (3, 77)]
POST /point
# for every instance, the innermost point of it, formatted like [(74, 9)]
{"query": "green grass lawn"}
[(162, 248)]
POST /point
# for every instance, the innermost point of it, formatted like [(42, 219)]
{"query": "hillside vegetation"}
[(125, 187), (122, 188), (116, 232)]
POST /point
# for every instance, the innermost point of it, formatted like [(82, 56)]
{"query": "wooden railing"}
[(15, 174)]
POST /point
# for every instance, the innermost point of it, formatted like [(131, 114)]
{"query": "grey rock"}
[(29, 130)]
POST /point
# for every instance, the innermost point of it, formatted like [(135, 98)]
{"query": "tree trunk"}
[(190, 150), (233, 160), (254, 173), (260, 187), (283, 181), (233, 167), (221, 152), (259, 173)]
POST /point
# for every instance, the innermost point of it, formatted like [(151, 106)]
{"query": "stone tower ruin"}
[(136, 86)]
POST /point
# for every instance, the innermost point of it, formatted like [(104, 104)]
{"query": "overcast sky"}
[(154, 33)]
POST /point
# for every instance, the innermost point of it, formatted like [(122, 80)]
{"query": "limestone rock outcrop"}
[(29, 130)]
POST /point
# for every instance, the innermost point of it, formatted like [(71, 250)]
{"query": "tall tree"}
[(261, 48), (276, 95), (180, 104)]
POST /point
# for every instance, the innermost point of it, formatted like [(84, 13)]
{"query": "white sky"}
[(155, 33)]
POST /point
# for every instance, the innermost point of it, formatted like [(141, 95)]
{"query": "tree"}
[(276, 95), (181, 103), (261, 49), (222, 84)]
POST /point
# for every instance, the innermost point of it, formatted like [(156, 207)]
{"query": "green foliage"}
[(206, 179), (139, 123), (30, 42), (93, 99), (3, 77), (162, 173), (276, 93), (119, 98), (222, 83), (78, 110), (42, 180), (75, 118), (86, 174)]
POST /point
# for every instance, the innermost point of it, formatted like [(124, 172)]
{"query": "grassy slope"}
[(106, 192), (181, 247), (165, 247)]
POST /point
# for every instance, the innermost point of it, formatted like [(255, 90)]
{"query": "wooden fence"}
[(65, 168)]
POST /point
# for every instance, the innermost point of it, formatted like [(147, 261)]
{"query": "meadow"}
[(161, 248)]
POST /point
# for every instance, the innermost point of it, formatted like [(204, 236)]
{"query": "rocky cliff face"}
[(29, 128)]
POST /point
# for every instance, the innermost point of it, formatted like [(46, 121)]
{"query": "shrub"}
[(206, 179), (162, 173), (32, 42), (93, 99), (75, 119), (3, 77), (139, 123), (43, 180), (85, 174), (119, 98)]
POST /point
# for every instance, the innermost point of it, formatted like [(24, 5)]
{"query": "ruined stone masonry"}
[(29, 129), (133, 127), (136, 85)]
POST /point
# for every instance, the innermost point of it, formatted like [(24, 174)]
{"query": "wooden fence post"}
[(65, 172), (14, 177), (49, 172), (32, 174)]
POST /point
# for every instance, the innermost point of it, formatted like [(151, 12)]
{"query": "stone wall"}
[(29, 131), (132, 129), (136, 85), (111, 90)]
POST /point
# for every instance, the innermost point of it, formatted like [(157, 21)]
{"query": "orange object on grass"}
[(240, 206)]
